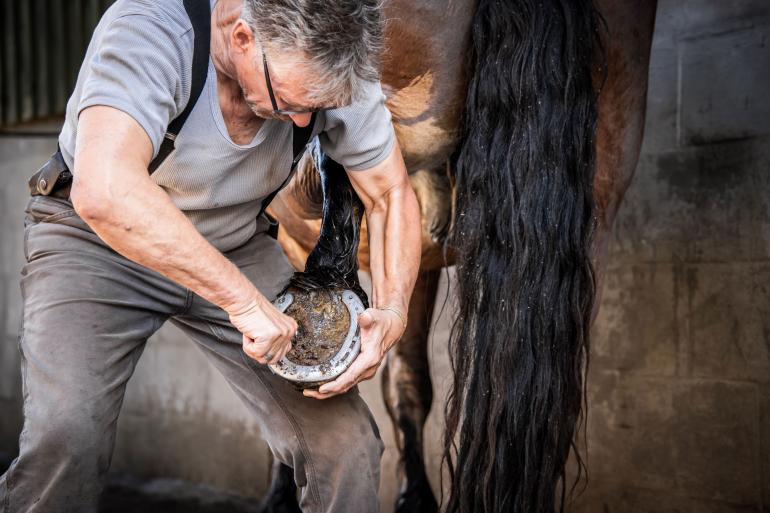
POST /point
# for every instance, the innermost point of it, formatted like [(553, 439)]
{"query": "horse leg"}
[(282, 495), (408, 394), (622, 106)]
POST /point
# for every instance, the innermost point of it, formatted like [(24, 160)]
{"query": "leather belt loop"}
[(52, 176)]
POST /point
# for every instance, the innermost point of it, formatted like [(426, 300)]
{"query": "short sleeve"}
[(360, 135), (137, 68)]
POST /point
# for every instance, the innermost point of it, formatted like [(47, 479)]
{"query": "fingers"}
[(366, 319), (254, 350), (315, 394), (341, 387), (364, 367), (318, 394), (267, 334), (267, 350), (280, 356), (272, 355)]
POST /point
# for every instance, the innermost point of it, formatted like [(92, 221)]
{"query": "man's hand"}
[(380, 329), (267, 333)]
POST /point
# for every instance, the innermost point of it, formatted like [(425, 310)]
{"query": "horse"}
[(520, 124)]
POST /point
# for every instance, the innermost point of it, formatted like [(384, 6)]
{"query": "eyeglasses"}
[(276, 110)]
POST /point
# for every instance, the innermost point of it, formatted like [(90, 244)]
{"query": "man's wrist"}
[(395, 310), (248, 299)]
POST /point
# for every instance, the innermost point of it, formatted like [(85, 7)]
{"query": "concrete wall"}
[(679, 386), (680, 379)]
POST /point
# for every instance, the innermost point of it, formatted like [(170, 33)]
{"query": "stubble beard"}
[(260, 112)]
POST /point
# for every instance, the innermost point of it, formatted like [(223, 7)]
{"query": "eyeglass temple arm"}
[(267, 82)]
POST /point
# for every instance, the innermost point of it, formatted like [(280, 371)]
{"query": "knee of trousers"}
[(345, 445), (62, 466), (68, 440)]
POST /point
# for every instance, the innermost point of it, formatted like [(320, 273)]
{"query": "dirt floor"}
[(128, 495)]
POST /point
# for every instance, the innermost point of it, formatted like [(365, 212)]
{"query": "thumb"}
[(366, 319)]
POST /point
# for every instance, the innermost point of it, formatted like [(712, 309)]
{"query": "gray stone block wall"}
[(679, 384), (679, 387)]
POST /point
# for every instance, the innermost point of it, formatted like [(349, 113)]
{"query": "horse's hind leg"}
[(406, 386), (282, 495)]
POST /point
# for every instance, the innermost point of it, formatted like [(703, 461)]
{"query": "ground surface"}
[(128, 495)]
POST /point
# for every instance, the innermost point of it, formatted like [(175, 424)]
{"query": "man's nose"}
[(301, 119)]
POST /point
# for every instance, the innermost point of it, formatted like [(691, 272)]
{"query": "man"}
[(132, 250)]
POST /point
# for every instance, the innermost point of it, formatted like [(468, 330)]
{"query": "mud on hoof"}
[(328, 338)]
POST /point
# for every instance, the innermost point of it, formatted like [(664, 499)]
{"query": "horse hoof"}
[(328, 338), (281, 507), (417, 499)]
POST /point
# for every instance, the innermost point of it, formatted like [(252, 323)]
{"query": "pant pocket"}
[(52, 225), (47, 209)]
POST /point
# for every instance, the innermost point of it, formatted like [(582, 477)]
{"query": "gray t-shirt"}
[(140, 61)]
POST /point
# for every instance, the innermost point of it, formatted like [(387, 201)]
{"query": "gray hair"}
[(342, 40)]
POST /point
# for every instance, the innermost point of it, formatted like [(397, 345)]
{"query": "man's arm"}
[(393, 223), (113, 193)]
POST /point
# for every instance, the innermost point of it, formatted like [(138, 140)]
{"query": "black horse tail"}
[(522, 239), (333, 263)]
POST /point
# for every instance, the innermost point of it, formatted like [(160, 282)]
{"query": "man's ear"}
[(241, 37)]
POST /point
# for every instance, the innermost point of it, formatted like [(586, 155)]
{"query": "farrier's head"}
[(317, 51)]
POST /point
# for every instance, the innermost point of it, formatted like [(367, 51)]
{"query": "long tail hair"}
[(522, 237), (333, 263)]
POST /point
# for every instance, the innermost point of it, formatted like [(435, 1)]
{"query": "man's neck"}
[(223, 17)]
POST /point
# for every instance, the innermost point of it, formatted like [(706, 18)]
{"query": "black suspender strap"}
[(199, 13), (300, 137)]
